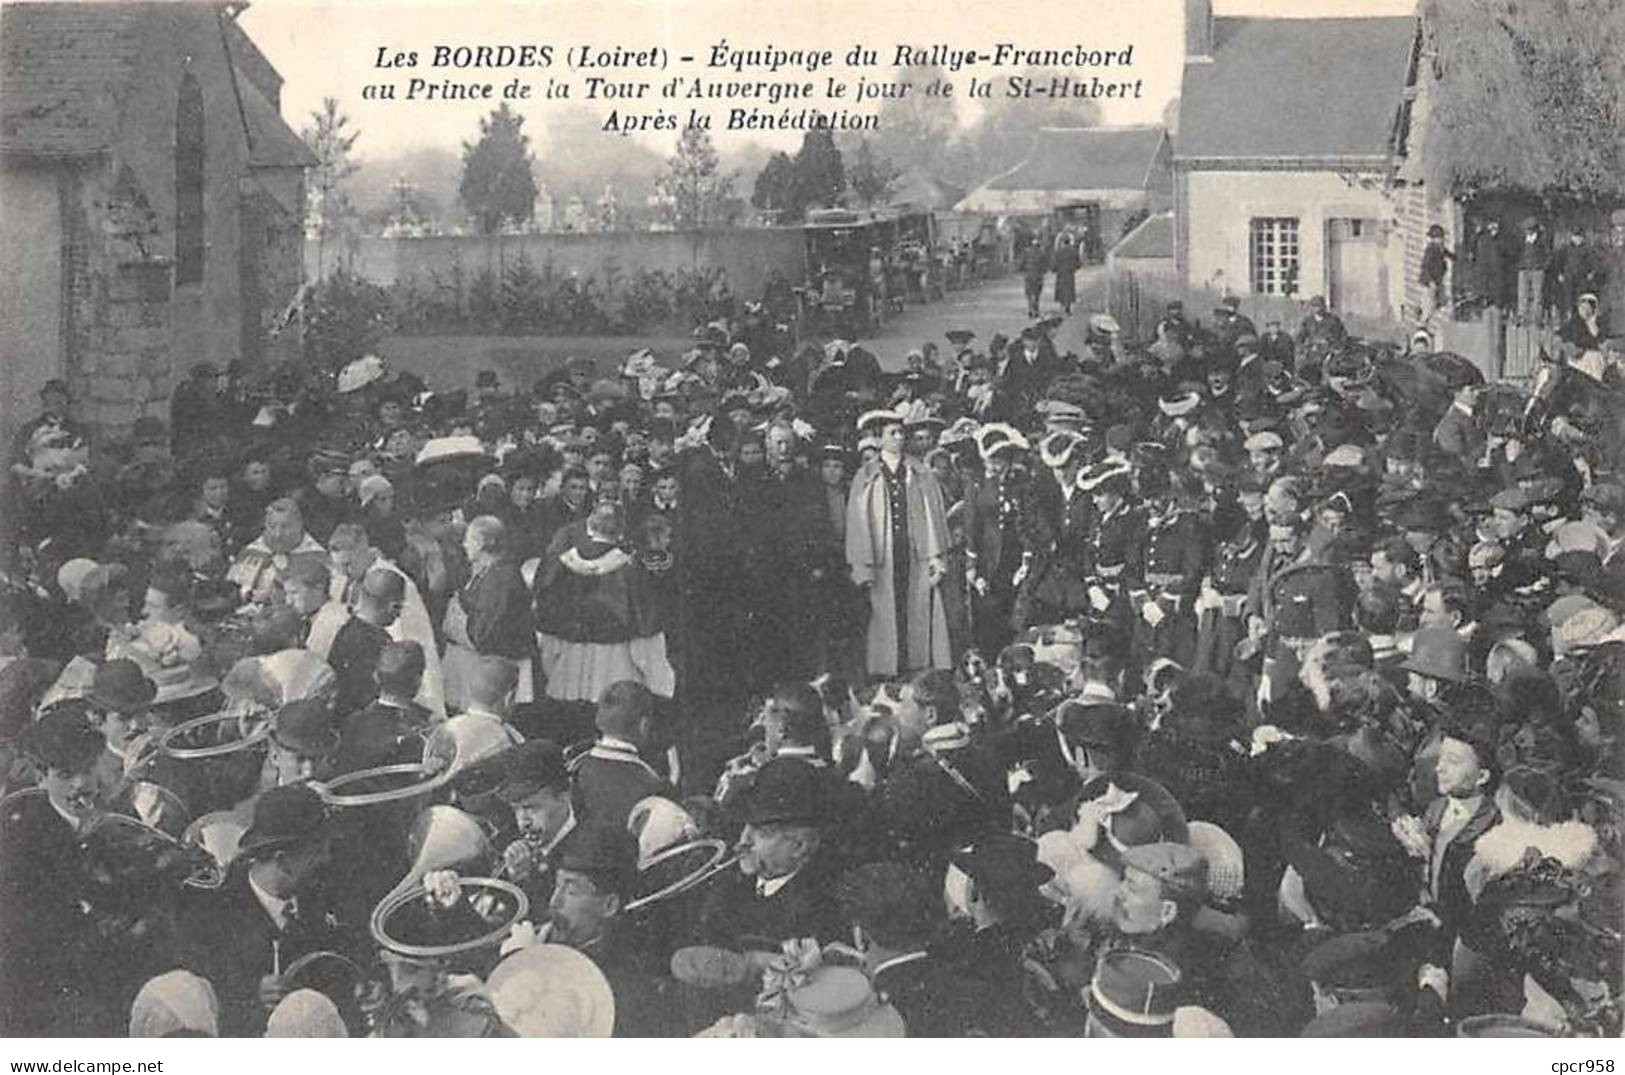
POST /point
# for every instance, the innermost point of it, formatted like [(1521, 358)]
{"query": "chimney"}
[(1198, 31)]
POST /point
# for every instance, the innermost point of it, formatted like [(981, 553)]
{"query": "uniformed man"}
[(1296, 599), (1168, 572), (1116, 531), (1221, 605)]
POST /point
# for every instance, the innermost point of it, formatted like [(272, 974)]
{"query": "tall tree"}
[(694, 191), (775, 189), (870, 177), (820, 173), (327, 204), (497, 186)]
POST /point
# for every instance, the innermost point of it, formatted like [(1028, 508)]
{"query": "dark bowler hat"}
[(530, 767), (1438, 652), (960, 336), (282, 817), (56, 385), (786, 792), (606, 853), (64, 739), (1004, 863), (120, 685), (305, 727)]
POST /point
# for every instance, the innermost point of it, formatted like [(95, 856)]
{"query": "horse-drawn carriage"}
[(863, 267)]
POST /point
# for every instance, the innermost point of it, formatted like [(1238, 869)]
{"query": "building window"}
[(1273, 255), (189, 183)]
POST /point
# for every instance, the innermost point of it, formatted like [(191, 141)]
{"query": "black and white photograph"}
[(699, 519)]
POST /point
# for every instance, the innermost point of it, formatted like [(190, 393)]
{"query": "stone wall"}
[(31, 249), (745, 255)]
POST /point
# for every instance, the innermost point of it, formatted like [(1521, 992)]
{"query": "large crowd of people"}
[(1233, 682)]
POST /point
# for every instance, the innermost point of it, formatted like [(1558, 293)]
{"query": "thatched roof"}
[(1526, 95)]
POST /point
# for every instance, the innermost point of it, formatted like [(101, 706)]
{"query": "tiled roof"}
[(63, 67), (1295, 88), (1085, 158), (1153, 237)]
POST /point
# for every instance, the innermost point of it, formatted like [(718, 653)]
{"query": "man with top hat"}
[(43, 889), (784, 886), (896, 548), (280, 901), (595, 876), (304, 744)]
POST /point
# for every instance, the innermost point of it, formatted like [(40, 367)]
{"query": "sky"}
[(325, 48)]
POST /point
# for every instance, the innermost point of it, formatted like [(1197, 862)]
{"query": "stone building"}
[(1290, 133), (151, 203)]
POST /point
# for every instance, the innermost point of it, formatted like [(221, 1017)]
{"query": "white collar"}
[(767, 889), (275, 907), (564, 830), (476, 711)]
